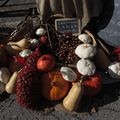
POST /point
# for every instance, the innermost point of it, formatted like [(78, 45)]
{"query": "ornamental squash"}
[(86, 67), (85, 38), (15, 47), (25, 53), (68, 74), (114, 70), (54, 87), (85, 50), (40, 31), (72, 100)]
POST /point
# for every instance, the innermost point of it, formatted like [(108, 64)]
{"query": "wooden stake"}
[(48, 35)]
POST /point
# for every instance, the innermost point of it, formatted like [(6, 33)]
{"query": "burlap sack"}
[(83, 9)]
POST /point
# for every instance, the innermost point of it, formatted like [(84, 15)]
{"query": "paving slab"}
[(12, 13)]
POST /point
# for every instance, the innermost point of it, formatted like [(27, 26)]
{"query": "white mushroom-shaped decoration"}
[(114, 70), (4, 75), (25, 53), (68, 74), (85, 38), (40, 31), (85, 51), (2, 87), (86, 67)]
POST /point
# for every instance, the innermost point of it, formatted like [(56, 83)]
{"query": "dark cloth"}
[(83, 9)]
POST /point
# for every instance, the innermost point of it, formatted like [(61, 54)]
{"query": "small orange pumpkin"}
[(54, 87)]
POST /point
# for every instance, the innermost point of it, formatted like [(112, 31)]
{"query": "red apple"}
[(92, 85), (16, 63), (45, 63)]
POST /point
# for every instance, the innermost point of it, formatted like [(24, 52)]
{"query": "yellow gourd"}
[(10, 86), (72, 100), (14, 47)]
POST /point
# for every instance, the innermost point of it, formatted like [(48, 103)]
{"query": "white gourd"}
[(25, 53), (114, 70), (34, 42), (85, 51), (40, 31), (68, 74), (84, 38), (22, 44), (86, 67)]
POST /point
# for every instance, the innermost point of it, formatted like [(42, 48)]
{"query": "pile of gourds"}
[(67, 82)]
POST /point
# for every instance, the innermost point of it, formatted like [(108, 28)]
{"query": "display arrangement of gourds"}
[(29, 70)]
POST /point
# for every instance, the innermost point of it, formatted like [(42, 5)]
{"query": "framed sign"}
[(72, 25)]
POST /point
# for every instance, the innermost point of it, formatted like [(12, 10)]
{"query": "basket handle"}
[(53, 16)]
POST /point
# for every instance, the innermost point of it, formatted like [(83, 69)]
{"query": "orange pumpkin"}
[(54, 87)]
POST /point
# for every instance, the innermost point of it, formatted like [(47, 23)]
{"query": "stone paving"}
[(105, 106)]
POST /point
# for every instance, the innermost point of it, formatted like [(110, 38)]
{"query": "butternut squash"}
[(72, 100), (10, 86)]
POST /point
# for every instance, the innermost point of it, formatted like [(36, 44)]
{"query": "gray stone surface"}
[(107, 103), (12, 13)]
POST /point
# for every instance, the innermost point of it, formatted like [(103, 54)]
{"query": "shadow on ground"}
[(4, 96), (109, 93)]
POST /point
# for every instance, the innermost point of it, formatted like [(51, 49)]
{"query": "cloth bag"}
[(83, 9), (108, 25)]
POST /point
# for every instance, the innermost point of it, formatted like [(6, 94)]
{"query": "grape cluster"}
[(63, 47)]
